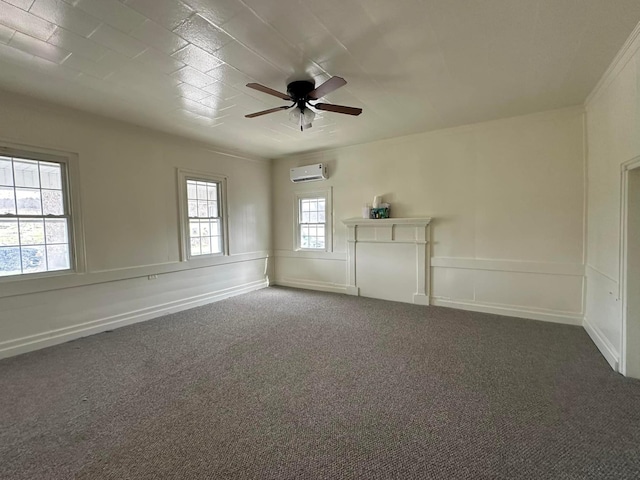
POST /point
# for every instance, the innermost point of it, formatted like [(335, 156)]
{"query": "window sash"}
[(41, 259), (213, 241), (308, 225)]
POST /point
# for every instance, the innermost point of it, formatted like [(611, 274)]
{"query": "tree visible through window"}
[(34, 217)]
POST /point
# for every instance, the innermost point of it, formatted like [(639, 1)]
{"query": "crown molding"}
[(623, 57)]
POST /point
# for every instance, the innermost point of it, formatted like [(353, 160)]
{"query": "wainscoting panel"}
[(541, 291), (34, 321)]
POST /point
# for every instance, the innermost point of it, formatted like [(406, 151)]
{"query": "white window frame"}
[(185, 243), (328, 216), (71, 189)]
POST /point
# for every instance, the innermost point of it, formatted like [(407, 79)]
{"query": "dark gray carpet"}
[(282, 384)]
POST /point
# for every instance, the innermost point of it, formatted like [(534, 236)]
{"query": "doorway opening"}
[(630, 271)]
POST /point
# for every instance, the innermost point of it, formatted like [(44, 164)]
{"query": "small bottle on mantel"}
[(366, 210)]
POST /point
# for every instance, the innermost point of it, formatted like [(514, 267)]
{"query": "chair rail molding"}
[(389, 248)]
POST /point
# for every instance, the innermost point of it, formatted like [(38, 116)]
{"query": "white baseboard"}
[(511, 311), (62, 335), (421, 299), (606, 349), (310, 285)]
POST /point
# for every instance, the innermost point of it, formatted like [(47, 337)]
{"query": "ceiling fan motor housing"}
[(299, 91)]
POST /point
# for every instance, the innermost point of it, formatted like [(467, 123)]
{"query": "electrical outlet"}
[(152, 277)]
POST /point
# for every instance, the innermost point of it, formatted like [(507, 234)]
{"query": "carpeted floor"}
[(283, 383)]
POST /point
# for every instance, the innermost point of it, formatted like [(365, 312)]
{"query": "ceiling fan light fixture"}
[(302, 117)]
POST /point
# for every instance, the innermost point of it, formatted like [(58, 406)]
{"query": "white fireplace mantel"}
[(389, 258)]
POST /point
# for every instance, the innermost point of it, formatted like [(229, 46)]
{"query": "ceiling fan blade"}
[(338, 108), (270, 91), (264, 112), (327, 87)]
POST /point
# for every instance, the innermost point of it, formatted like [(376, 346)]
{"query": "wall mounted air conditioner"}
[(309, 173)]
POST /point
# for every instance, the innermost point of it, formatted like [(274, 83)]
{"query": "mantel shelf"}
[(422, 221)]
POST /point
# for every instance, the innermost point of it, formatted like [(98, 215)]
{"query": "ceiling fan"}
[(301, 93)]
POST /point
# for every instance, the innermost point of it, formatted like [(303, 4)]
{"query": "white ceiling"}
[(412, 65)]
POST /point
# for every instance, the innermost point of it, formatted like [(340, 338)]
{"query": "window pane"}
[(202, 191), (58, 257), (202, 209), (321, 204), (29, 202), (26, 173), (50, 175), (305, 217), (216, 245), (9, 232), (205, 230), (10, 261), (304, 236), (215, 227), (193, 208), (205, 245), (212, 192), (305, 205), (6, 171), (7, 201), (56, 230), (313, 217), (213, 209), (34, 259), (195, 246), (191, 190), (321, 217), (194, 228), (31, 231), (52, 203)]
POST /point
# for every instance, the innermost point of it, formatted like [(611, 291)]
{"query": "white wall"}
[(507, 198), (613, 132), (129, 203)]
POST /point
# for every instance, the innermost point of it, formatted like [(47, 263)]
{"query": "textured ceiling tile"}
[(112, 12), (193, 77), (38, 47), (196, 58), (192, 93), (168, 13), (77, 44), (229, 75), (25, 22), (87, 66), (202, 33), (23, 4), (218, 11), (5, 34), (117, 41), (65, 15), (222, 91), (159, 37), (249, 30), (250, 63), (159, 61)]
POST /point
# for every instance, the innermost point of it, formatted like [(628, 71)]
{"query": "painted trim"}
[(546, 268), (62, 335), (310, 285), (511, 311), (625, 168), (624, 55), (310, 255), (25, 286), (601, 342)]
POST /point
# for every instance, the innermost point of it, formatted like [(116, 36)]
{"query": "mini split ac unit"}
[(309, 173)]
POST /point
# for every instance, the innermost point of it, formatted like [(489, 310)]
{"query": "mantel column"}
[(352, 289)]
